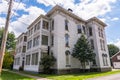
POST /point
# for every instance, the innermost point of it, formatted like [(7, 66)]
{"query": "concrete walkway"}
[(110, 77), (27, 75)]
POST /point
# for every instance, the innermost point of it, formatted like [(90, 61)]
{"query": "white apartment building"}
[(56, 34)]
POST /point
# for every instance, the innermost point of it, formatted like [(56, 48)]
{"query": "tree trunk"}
[(83, 66)]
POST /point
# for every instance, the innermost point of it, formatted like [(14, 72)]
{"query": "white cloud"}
[(3, 7), (54, 2), (103, 19), (19, 6), (117, 43), (21, 24), (16, 5), (85, 8), (114, 19), (2, 21), (35, 10)]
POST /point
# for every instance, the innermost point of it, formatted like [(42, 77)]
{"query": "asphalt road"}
[(111, 77)]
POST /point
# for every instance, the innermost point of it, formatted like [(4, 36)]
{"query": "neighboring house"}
[(56, 33), (116, 60), (20, 51)]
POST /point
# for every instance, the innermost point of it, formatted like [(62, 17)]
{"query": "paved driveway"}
[(111, 77)]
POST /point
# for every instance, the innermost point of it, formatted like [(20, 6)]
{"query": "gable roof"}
[(115, 54)]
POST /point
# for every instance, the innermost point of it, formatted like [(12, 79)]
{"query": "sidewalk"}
[(27, 75), (110, 77)]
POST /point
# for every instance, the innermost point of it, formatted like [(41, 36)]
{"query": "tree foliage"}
[(10, 44), (8, 60), (82, 51), (112, 49), (47, 62)]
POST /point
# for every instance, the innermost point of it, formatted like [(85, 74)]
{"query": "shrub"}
[(8, 60), (47, 62)]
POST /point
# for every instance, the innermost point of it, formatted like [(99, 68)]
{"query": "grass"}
[(11, 76), (80, 76)]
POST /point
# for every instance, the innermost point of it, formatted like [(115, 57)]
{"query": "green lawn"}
[(11, 76), (80, 76)]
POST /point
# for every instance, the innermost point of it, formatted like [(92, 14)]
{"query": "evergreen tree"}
[(83, 52)]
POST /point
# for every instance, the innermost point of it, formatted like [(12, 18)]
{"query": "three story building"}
[(56, 34)]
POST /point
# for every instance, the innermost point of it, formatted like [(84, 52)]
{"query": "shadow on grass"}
[(11, 76)]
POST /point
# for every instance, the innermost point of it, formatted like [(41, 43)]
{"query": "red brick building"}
[(116, 60)]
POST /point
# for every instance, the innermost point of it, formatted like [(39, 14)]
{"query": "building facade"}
[(20, 51), (116, 60), (56, 33)]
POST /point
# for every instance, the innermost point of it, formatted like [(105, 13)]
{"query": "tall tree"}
[(10, 44), (112, 49), (83, 52)]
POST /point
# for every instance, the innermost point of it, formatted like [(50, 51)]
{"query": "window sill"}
[(94, 65), (68, 65), (67, 46)]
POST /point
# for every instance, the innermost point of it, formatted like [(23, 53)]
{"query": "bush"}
[(47, 62), (8, 61)]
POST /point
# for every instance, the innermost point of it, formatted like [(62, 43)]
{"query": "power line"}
[(16, 9), (23, 23)]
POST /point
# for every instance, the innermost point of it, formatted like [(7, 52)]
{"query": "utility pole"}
[(4, 39)]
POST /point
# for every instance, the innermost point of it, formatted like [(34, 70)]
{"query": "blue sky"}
[(25, 11)]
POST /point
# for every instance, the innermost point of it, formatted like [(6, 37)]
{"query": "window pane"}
[(90, 31), (92, 44), (67, 54), (24, 49), (99, 32), (33, 58), (79, 29), (44, 40), (104, 45), (52, 41), (25, 38), (45, 25), (28, 60), (106, 60), (52, 24), (36, 59), (35, 27), (84, 30), (38, 25), (30, 43), (66, 24), (67, 59), (66, 40), (36, 41), (101, 44)]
